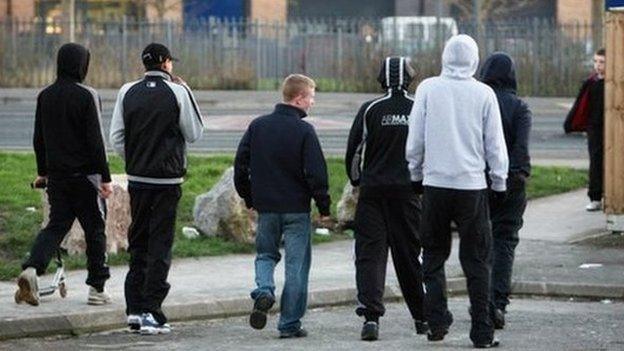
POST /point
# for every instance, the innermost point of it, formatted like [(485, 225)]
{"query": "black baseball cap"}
[(156, 53)]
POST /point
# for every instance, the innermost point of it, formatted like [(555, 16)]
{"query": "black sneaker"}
[(498, 318), (437, 334), (422, 327), (300, 333), (487, 345), (370, 331), (258, 317)]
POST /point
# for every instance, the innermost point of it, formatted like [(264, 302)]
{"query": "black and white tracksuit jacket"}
[(384, 168), (152, 121)]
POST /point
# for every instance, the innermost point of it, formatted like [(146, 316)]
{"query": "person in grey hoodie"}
[(499, 72), (455, 134)]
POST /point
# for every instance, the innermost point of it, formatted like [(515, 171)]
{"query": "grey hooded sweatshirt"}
[(455, 128)]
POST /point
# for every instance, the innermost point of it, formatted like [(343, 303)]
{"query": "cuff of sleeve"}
[(416, 177), (499, 185), (106, 178)]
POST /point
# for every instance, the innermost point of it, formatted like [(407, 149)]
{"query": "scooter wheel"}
[(63, 290)]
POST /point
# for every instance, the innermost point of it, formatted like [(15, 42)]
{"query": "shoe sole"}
[(153, 331), (258, 317), (370, 337), (487, 346), (437, 336), (25, 293), (98, 302)]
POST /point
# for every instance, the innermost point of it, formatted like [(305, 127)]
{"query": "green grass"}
[(18, 226)]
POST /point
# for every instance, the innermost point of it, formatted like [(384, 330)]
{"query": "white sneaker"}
[(149, 326), (98, 298), (134, 323), (594, 206), (28, 289)]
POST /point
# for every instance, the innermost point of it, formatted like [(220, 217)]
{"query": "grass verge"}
[(21, 215)]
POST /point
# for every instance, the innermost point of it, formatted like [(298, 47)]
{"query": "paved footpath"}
[(548, 263)]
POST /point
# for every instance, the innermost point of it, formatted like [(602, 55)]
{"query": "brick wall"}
[(23, 9), (571, 11)]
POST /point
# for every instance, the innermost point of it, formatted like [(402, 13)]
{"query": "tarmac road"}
[(227, 114), (532, 324)]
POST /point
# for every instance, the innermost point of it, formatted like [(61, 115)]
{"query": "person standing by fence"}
[(455, 130), (388, 210), (499, 72), (152, 121), (587, 115), (279, 168)]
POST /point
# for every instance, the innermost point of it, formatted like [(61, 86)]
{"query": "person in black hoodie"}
[(279, 168), (72, 164), (498, 72), (388, 209)]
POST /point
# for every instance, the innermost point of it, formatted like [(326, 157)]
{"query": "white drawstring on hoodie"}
[(455, 127)]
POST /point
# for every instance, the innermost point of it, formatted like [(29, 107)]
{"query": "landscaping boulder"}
[(346, 206), (117, 220), (221, 212)]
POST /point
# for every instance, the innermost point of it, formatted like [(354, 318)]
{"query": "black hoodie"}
[(384, 171), (499, 72), (68, 137)]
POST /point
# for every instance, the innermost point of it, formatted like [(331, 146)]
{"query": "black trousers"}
[(595, 146), (506, 220), (71, 198), (469, 210), (150, 239), (382, 223)]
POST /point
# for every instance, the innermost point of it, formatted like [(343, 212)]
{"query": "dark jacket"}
[(152, 121), (384, 171), (279, 164), (68, 138), (499, 72), (587, 112)]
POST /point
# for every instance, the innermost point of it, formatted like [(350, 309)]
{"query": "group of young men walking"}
[(455, 152)]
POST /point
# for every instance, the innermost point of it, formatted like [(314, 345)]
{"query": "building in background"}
[(264, 10)]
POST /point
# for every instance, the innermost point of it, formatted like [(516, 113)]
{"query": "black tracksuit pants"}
[(382, 223), (469, 210), (506, 217), (71, 198), (595, 146), (150, 239)]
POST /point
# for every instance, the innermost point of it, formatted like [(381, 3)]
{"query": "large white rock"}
[(347, 205), (221, 212), (117, 220)]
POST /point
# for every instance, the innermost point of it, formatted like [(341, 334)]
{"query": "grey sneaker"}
[(134, 323), (98, 298), (28, 289), (149, 326), (594, 206)]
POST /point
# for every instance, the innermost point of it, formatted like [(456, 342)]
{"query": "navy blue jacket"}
[(279, 165), (498, 72)]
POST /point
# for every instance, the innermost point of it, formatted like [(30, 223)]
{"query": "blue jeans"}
[(295, 229)]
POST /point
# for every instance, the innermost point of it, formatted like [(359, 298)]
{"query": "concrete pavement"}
[(213, 287)]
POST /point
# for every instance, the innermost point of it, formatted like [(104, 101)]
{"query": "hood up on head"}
[(395, 73), (72, 62), (460, 57), (499, 72)]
